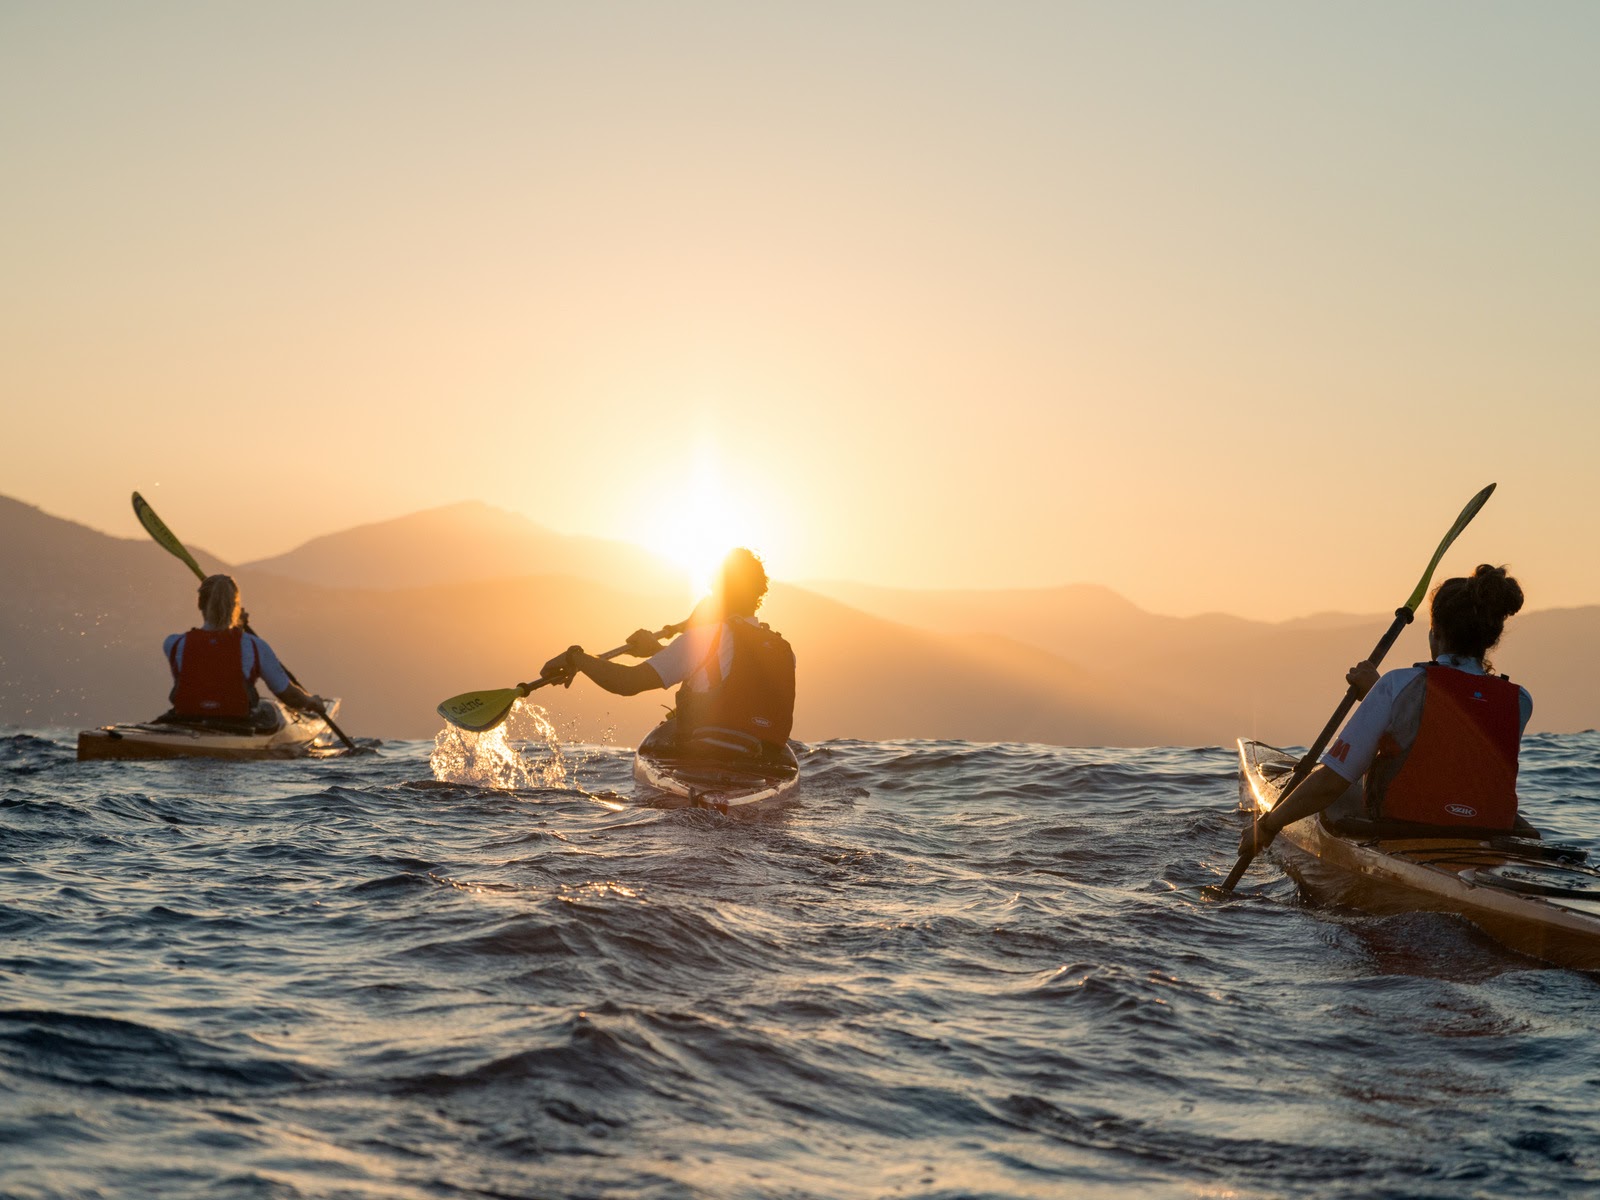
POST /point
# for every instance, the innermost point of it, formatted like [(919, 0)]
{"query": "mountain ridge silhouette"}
[(83, 613)]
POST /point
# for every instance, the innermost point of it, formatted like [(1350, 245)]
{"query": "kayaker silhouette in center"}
[(736, 699), (1433, 745), (215, 668)]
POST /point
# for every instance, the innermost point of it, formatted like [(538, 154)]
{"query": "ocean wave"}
[(944, 970), (127, 1057)]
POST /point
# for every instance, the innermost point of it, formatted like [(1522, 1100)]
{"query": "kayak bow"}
[(1536, 899)]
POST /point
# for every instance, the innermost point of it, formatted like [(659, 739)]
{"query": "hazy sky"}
[(1226, 305)]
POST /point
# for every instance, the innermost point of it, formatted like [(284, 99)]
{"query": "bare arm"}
[(297, 697), (620, 679), (1320, 789)]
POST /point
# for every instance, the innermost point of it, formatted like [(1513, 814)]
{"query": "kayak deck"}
[(1537, 900), (300, 736), (721, 786)]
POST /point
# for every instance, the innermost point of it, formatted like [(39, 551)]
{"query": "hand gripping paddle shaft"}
[(1403, 616)]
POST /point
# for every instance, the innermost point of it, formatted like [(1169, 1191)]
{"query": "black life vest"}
[(754, 703)]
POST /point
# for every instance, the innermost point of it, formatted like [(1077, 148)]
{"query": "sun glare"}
[(699, 552), (699, 526)]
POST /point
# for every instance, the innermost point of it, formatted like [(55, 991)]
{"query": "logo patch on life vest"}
[(1461, 810), (761, 722)]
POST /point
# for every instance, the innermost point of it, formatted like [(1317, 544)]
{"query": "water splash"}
[(523, 751)]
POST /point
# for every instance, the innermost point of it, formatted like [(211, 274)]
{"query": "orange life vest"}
[(211, 681), (756, 698), (1462, 767)]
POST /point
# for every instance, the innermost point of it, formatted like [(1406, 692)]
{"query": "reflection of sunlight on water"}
[(521, 752)]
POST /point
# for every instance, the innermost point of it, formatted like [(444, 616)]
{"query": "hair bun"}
[(1496, 592)]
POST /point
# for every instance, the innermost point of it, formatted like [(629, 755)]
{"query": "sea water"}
[(942, 970)]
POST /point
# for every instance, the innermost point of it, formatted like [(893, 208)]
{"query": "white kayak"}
[(725, 787), (299, 735)]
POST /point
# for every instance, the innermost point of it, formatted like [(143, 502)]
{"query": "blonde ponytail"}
[(219, 601)]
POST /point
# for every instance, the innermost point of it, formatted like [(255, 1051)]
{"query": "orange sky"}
[(1225, 306)]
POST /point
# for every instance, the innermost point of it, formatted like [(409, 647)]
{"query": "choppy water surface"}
[(945, 970)]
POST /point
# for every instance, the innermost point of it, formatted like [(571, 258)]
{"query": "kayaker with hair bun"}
[(215, 668), (1433, 744)]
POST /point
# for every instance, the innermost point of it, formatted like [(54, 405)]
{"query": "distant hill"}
[(1084, 622), (82, 616), (393, 655), (1213, 673), (463, 543)]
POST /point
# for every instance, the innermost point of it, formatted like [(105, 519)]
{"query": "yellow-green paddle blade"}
[(157, 528), (1467, 513), (479, 712)]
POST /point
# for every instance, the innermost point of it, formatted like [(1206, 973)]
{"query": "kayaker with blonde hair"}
[(1432, 745), (215, 667)]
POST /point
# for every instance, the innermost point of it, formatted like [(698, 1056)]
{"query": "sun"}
[(700, 525), (699, 552), (704, 511)]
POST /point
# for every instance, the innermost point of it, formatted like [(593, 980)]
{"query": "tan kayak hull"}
[(1433, 874), (301, 736)]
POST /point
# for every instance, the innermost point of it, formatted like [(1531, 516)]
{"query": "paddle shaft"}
[(1403, 616), (1308, 762), (168, 541)]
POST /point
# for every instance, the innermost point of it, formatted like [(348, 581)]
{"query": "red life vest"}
[(1462, 767), (755, 701), (211, 682)]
